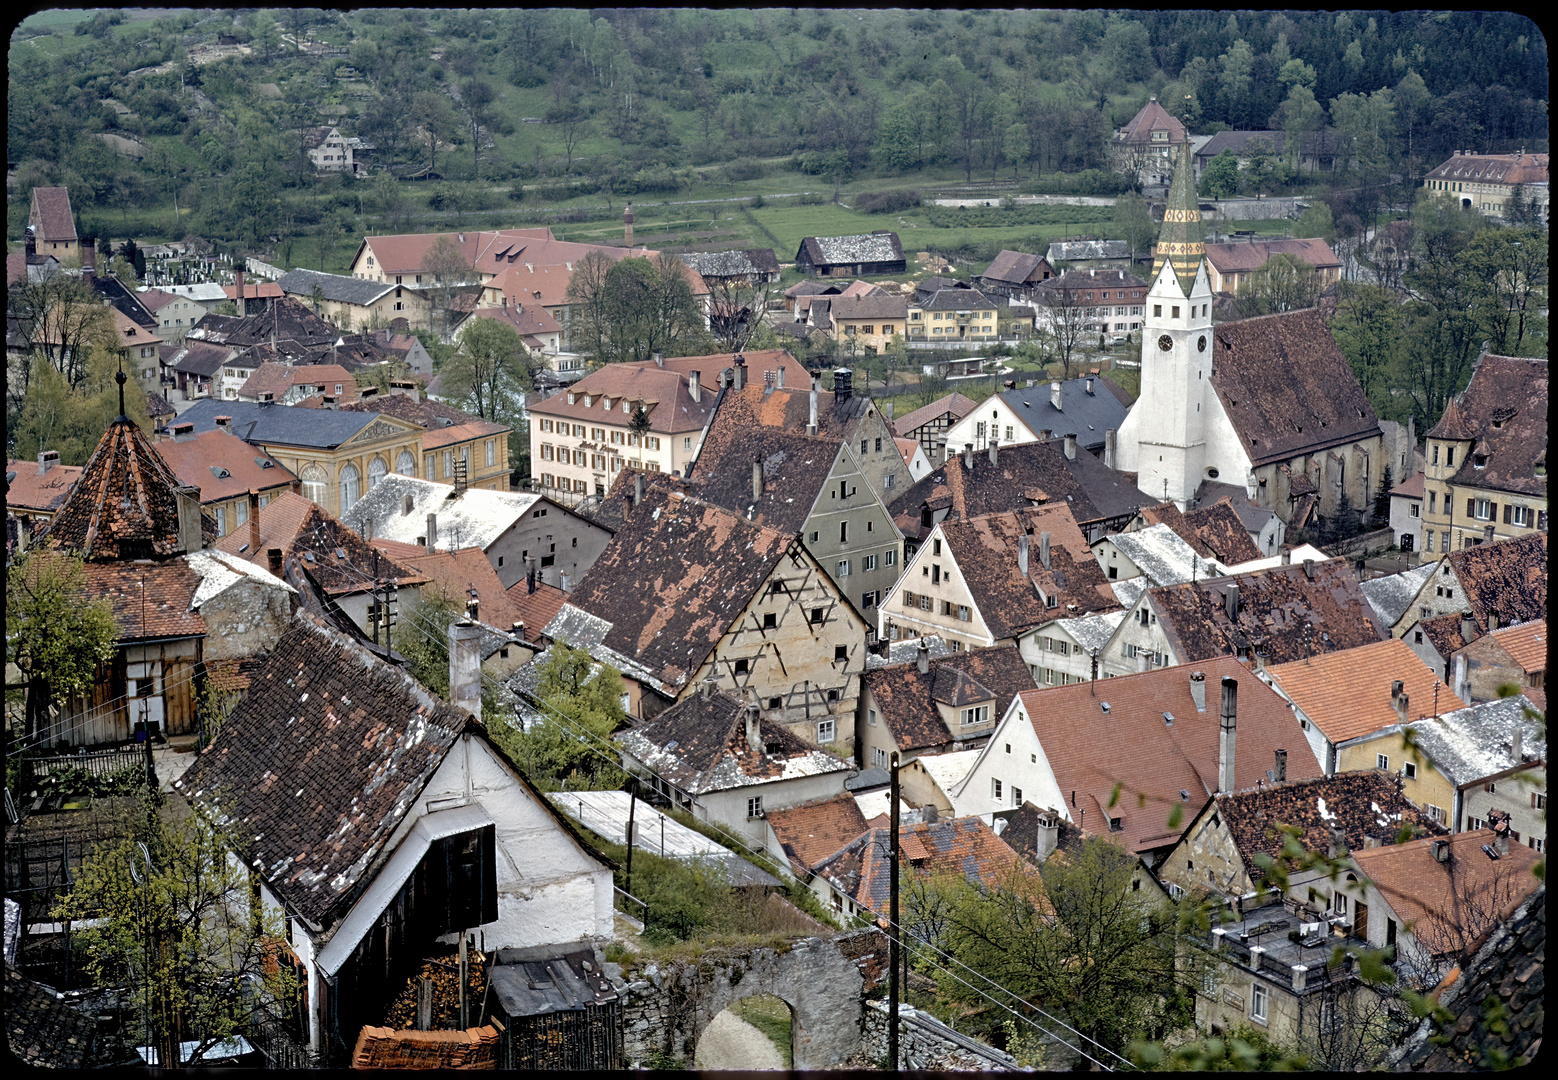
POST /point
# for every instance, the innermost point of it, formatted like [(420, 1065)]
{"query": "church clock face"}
[(1201, 343), (1165, 343)]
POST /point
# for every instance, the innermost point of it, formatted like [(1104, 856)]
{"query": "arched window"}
[(376, 471), (351, 486), (406, 463), (313, 477)]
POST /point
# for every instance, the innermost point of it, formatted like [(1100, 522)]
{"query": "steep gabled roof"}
[(1526, 644), (1366, 805), (315, 812), (339, 559), (1348, 694), (1506, 579), (125, 505), (1286, 387), (873, 247), (1280, 611), (1391, 594), (1016, 268), (794, 469), (1087, 410), (27, 487), (1474, 743), (222, 465), (150, 600), (812, 831), (906, 699), (700, 744), (954, 404), (51, 213), (967, 846), (1504, 409), (1220, 531), (1152, 117), (675, 577)]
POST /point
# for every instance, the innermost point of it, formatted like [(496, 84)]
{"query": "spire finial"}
[(119, 377), (1182, 241)]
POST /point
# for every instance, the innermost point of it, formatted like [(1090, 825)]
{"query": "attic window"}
[(1104, 705), (219, 472), (1168, 718), (1479, 461)]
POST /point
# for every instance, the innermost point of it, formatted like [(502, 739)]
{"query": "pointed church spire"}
[(1182, 240)]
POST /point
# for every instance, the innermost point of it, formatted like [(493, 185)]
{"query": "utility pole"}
[(892, 920), (632, 806)]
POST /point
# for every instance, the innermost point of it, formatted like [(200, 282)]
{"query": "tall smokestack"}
[(254, 523), (432, 533), (627, 225), (465, 667), (1110, 437), (1227, 733)]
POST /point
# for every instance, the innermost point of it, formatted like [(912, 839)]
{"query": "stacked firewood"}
[(381, 1048), (444, 973)]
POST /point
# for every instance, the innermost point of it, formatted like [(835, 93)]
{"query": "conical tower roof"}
[(1182, 240), (125, 504)]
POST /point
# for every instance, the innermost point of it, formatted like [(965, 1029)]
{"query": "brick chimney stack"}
[(922, 656), (243, 303), (627, 225), (1227, 734), (465, 667)]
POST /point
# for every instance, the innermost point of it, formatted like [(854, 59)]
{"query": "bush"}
[(738, 171), (1086, 182), (757, 202), (888, 202), (517, 193)]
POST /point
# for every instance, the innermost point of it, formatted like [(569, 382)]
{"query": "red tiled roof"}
[(954, 404), (438, 437), (964, 846), (342, 561), (456, 573), (906, 699), (1494, 169), (1083, 745), (31, 490), (52, 215), (1239, 258), (538, 608), (1347, 694), (255, 290), (124, 505), (1526, 644), (222, 465), (1152, 116), (812, 831), (663, 392), (160, 610)]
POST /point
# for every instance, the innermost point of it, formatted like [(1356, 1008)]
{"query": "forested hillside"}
[(204, 111)]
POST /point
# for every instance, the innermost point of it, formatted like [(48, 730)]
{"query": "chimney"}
[(968, 456), (88, 260), (1287, 555), (659, 359), (431, 539), (757, 479), (754, 729), (1143, 659), (843, 383), (811, 424), (779, 377), (1047, 835), (517, 629), (254, 522), (1044, 550), (47, 459), (1022, 554), (1309, 569), (995, 446), (1492, 618), (922, 656), (1402, 712), (1231, 601), (1071, 447), (1516, 746), (1468, 627), (243, 304), (225, 423), (1499, 822), (1256, 952), (1109, 447), (627, 225), (273, 557), (707, 687), (1300, 977), (1441, 850), (465, 667), (638, 488), (1054, 396), (694, 386), (1462, 683), (1227, 733), (1198, 690), (740, 371), (1280, 772)]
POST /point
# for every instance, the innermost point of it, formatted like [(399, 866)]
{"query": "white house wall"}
[(1113, 659), (1025, 769)]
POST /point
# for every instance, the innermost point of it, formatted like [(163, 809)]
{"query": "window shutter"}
[(1508, 508), (1471, 508), (1493, 511)]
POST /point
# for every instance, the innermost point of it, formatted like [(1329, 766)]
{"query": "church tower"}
[(1164, 437)]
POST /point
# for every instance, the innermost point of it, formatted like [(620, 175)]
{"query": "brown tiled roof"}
[(673, 579), (1347, 694), (665, 393), (616, 509), (1366, 805), (1152, 115), (1016, 268), (1169, 514), (27, 489), (339, 559), (1222, 533), (1504, 409), (1240, 258), (906, 699), (222, 465), (966, 846), (812, 831), (1494, 169), (1526, 644), (1280, 610), (538, 608), (427, 412), (159, 610), (46, 1032), (1286, 386), (456, 574), (700, 745), (1444, 634), (532, 319), (1093, 491), (407, 253), (1083, 745), (795, 468), (789, 408), (953, 404), (439, 437), (1022, 833), (125, 503), (874, 306), (1506, 578), (986, 550), (277, 379), (51, 213), (1469, 888), (285, 320), (316, 812)]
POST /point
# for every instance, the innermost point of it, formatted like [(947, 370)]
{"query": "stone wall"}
[(926, 1043)]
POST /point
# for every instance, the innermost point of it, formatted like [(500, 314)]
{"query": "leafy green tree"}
[(171, 916), (1014, 144), (1283, 283), (1368, 329), (1513, 265), (1237, 77), (1220, 179), (581, 707), (634, 308), (489, 370), (53, 634), (1133, 221), (1316, 222), (55, 416), (895, 143)]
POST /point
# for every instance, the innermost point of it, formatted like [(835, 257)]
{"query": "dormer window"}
[(570, 399), (1479, 461)]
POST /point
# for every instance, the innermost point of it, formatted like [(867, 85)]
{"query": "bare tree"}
[(451, 272), (60, 317), (736, 306), (1068, 316), (1282, 284)]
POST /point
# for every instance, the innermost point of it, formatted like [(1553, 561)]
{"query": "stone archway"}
[(668, 1006)]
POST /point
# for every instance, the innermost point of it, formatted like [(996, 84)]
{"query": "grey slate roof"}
[(958, 300), (548, 979), (1391, 595), (720, 264), (1085, 415), (1077, 250), (474, 518), (1092, 631), (861, 248), (287, 424), (334, 287), (1163, 556), (1472, 743)]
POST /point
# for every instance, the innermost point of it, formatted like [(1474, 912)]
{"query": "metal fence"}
[(93, 762)]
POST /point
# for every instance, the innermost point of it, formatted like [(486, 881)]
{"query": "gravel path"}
[(729, 1042)]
